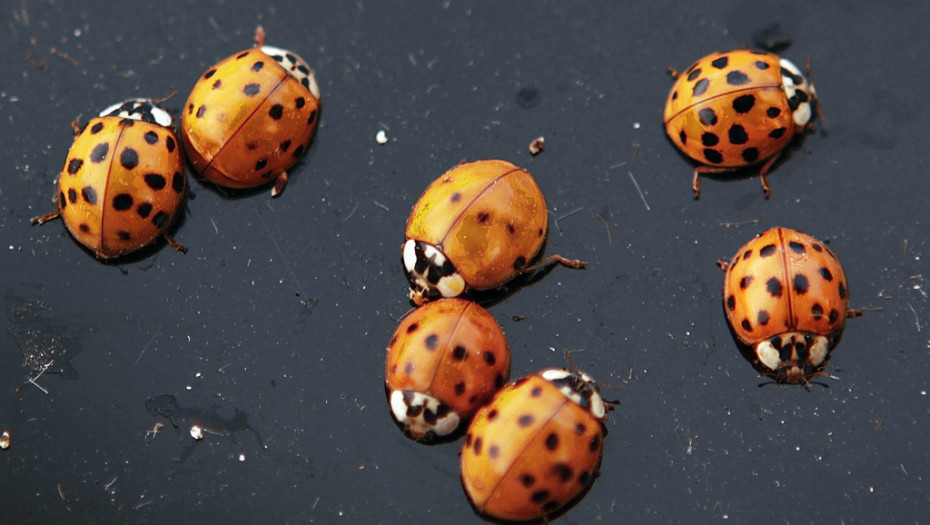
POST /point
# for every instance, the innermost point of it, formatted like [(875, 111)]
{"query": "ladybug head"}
[(143, 109), (430, 273), (802, 97), (295, 66), (580, 388), (793, 357)]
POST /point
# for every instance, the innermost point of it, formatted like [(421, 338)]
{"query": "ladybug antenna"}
[(600, 385), (170, 95), (259, 36)]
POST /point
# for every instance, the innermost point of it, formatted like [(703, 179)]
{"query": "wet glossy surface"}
[(274, 323)]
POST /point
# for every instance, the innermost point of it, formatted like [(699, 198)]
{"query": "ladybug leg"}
[(76, 127), (546, 265), (175, 244), (723, 265), (42, 219), (279, 184), (853, 314), (259, 36), (672, 72), (763, 175), (702, 170)]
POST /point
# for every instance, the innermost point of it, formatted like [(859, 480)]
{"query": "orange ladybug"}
[(737, 109), (250, 117), (445, 360), (535, 449), (123, 181), (786, 297), (475, 228)]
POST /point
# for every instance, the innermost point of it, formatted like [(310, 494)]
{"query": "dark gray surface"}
[(282, 308)]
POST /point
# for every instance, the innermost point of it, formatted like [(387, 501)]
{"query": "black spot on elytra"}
[(431, 341), (563, 471), (737, 134), (731, 303), (595, 444), (694, 74), (74, 165), (123, 201), (258, 66), (527, 480), (707, 117), (299, 102), (459, 388), (773, 112), (744, 103), (150, 137), (492, 415), (842, 289), (519, 263), (494, 451), (552, 441), (72, 195), (762, 317), (177, 182), (721, 62), (260, 164), (124, 235), (285, 145), (539, 496), (459, 353), (489, 358), (144, 209), (499, 381), (209, 74), (99, 153), (682, 136), (525, 420), (129, 158), (170, 144), (816, 311), (160, 219), (456, 197), (155, 181), (747, 254), (767, 250), (580, 428), (709, 139), (483, 217), (746, 326), (801, 284), (218, 84), (761, 65), (250, 90), (84, 227), (713, 156), (89, 194), (774, 287), (477, 446), (834, 316), (311, 118), (298, 151), (750, 155), (276, 112), (674, 95), (777, 133), (700, 87), (737, 78), (536, 392), (413, 328), (745, 282), (96, 128)]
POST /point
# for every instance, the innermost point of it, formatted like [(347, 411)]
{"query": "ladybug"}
[(474, 229), (250, 117), (123, 181), (785, 296), (445, 360), (535, 449), (737, 109)]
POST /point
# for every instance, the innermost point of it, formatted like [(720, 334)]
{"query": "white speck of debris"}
[(5, 440), (189, 387), (196, 432), (636, 125), (242, 457), (381, 137)]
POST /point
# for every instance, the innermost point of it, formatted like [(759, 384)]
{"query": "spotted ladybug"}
[(476, 228), (123, 182), (445, 361), (250, 117), (786, 299), (535, 449), (737, 109)]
